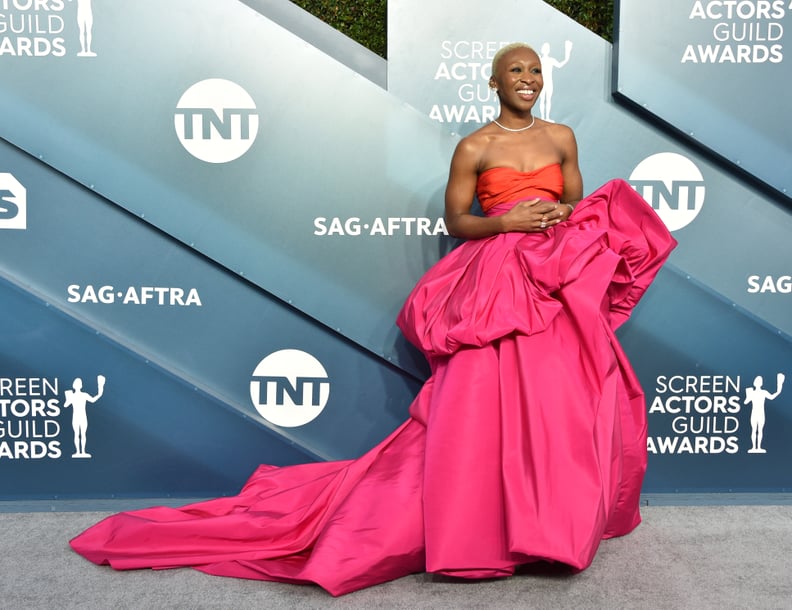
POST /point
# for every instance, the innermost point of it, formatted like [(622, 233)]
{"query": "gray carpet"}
[(680, 557)]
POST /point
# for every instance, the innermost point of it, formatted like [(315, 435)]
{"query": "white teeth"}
[(525, 91)]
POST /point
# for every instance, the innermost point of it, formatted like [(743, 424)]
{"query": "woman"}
[(528, 441)]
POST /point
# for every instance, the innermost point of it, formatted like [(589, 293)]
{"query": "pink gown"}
[(527, 443)]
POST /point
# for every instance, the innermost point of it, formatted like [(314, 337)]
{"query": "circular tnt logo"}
[(289, 388), (672, 185), (216, 120)]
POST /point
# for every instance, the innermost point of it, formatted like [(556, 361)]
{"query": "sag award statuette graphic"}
[(78, 401), (85, 24), (548, 65), (756, 396)]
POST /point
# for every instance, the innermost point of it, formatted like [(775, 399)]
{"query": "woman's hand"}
[(535, 215)]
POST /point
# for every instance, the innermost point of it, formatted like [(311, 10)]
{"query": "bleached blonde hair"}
[(509, 47)]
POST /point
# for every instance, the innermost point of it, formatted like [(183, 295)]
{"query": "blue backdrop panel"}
[(178, 376), (216, 345), (722, 79), (696, 355), (150, 434), (328, 145)]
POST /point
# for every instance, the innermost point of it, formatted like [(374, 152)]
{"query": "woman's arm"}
[(573, 181)]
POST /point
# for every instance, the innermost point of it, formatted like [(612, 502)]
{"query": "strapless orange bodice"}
[(499, 185)]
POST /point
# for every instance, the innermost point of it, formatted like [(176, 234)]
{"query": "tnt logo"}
[(672, 185), (13, 203), (216, 120), (289, 388)]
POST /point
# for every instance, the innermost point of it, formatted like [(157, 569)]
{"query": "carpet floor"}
[(698, 557)]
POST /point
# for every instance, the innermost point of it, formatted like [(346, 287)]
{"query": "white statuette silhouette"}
[(78, 401), (756, 397), (85, 23), (548, 65)]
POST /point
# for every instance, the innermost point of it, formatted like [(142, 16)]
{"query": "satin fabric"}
[(528, 441), (503, 185)]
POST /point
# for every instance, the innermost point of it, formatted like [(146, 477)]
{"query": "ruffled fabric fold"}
[(508, 283)]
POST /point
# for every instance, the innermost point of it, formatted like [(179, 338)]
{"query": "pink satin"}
[(528, 442)]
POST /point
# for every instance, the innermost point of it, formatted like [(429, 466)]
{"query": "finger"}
[(547, 208)]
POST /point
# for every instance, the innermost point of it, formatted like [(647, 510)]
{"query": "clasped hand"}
[(535, 215)]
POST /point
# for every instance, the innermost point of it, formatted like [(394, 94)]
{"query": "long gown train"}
[(528, 441)]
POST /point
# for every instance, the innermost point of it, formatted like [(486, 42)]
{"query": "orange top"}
[(499, 185)]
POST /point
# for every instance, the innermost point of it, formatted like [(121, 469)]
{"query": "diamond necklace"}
[(533, 118)]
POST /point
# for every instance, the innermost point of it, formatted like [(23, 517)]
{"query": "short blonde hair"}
[(508, 48)]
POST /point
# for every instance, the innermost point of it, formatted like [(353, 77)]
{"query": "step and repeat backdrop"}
[(207, 227)]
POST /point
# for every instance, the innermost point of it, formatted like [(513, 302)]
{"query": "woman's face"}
[(518, 79)]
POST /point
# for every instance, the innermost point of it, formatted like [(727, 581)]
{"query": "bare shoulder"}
[(563, 138), (479, 138), (472, 147), (561, 132)]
